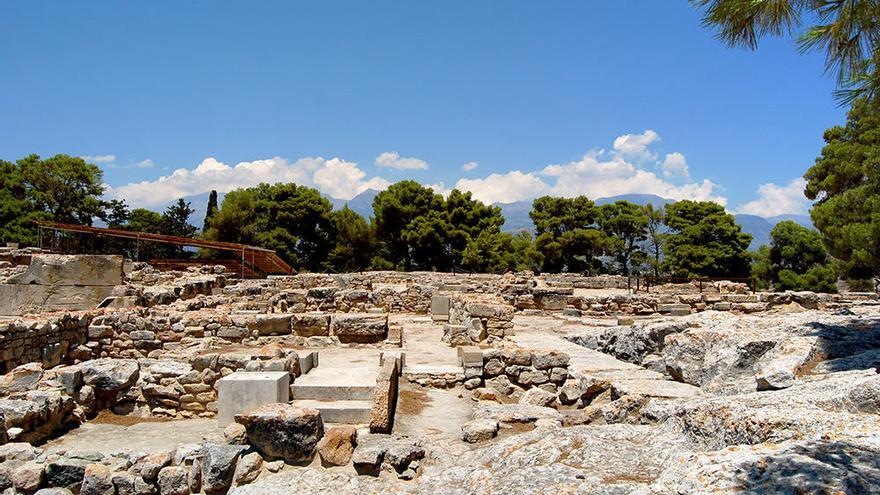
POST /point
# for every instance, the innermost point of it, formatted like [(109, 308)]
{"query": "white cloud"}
[(596, 178), (503, 188), (778, 200), (636, 145), (675, 165), (344, 180), (391, 159), (335, 177), (440, 188), (146, 163), (99, 158), (467, 167), (598, 174)]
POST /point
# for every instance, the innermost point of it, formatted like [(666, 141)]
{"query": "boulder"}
[(110, 375), (27, 476), (283, 430), (218, 466), (538, 397), (235, 434), (337, 445), (66, 472), (97, 481), (21, 379), (479, 430), (173, 480), (247, 469), (77, 269)]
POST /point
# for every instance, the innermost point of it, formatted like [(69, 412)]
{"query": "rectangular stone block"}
[(307, 361), (243, 390), (440, 307), (470, 356), (311, 324), (360, 328), (399, 358)]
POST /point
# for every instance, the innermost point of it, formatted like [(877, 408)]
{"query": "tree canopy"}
[(845, 185), (796, 260), (295, 221), (704, 241), (568, 233)]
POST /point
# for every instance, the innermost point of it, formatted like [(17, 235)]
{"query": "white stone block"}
[(245, 390)]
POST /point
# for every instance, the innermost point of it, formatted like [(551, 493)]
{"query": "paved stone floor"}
[(151, 436)]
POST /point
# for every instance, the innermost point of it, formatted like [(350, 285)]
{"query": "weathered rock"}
[(235, 434), (173, 480), (110, 375), (97, 480), (283, 431), (479, 430), (66, 472), (27, 476), (21, 379), (218, 466), (359, 328), (247, 469), (538, 397), (337, 445)]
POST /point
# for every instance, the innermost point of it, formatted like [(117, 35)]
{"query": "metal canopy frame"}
[(262, 259)]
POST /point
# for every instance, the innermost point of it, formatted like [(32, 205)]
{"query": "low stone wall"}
[(475, 318), (512, 370), (49, 341)]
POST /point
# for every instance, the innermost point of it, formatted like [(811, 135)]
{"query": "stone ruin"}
[(122, 379)]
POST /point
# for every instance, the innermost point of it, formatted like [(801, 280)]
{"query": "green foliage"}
[(847, 31), (65, 187), (654, 236), (568, 234), (627, 227), (212, 209), (17, 210), (419, 230), (795, 260), (295, 221), (704, 241), (354, 245), (845, 184)]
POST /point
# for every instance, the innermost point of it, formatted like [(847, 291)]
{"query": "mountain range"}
[(516, 214)]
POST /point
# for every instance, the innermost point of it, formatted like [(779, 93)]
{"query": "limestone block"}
[(360, 327), (79, 269), (242, 391), (310, 324)]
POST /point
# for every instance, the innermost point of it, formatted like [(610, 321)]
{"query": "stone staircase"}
[(343, 395)]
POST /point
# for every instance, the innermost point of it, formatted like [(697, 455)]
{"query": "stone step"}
[(354, 383), (315, 391), (340, 411)]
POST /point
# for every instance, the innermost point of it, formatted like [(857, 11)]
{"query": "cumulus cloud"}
[(336, 177), (675, 165), (600, 174), (636, 145), (775, 200), (99, 158), (467, 167), (391, 159), (504, 188), (344, 180)]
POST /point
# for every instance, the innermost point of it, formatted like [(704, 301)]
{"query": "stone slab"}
[(78, 269), (244, 390), (440, 307)]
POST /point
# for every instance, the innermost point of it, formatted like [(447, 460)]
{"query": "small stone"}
[(173, 480), (247, 469), (235, 434), (479, 430), (537, 397), (97, 480), (337, 445)]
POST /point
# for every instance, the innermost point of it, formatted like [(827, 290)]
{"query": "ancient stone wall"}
[(475, 318)]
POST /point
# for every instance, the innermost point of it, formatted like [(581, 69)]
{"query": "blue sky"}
[(585, 97)]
